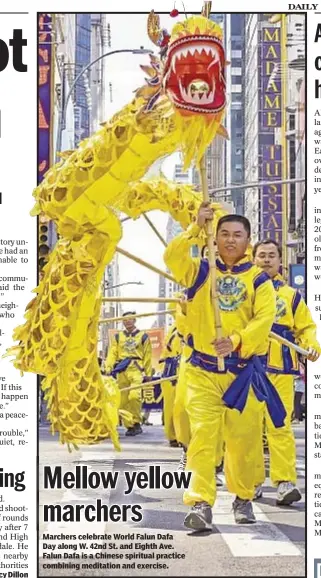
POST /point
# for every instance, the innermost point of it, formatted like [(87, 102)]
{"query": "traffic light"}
[(43, 242)]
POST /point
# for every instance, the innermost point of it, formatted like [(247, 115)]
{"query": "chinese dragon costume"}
[(179, 109)]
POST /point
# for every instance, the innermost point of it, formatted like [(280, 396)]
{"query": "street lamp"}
[(121, 284), (62, 119)]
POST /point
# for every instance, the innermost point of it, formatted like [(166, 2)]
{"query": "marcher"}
[(294, 322), (129, 361), (247, 305), (170, 357)]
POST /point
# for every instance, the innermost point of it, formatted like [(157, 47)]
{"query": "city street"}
[(274, 546)]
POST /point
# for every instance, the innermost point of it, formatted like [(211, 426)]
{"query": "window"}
[(83, 20), (237, 118), (292, 157), (83, 37), (292, 122), (237, 24), (236, 97), (82, 55), (237, 45)]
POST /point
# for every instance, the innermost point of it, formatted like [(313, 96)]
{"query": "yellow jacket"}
[(182, 329), (135, 346), (246, 298), (294, 322), (173, 344)]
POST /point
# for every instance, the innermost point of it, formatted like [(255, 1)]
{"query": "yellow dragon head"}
[(191, 75)]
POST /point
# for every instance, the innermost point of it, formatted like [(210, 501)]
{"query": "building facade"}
[(82, 90), (275, 131), (225, 157), (295, 137), (235, 48), (166, 287)]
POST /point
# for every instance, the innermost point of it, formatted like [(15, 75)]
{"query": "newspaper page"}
[(159, 290)]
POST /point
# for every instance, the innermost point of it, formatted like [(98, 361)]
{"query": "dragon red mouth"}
[(194, 74)]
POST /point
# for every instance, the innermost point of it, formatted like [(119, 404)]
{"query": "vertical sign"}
[(297, 277), (270, 123), (44, 93)]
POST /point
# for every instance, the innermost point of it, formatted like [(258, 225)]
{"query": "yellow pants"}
[(206, 412), (131, 401), (181, 420), (180, 416), (220, 446), (168, 390), (281, 440)]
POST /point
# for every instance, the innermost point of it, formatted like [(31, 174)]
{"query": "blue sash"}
[(171, 366), (250, 372), (122, 366), (286, 333)]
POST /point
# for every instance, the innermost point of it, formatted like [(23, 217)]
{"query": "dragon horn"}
[(206, 10), (153, 27)]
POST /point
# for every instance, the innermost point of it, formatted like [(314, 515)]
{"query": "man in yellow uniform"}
[(170, 358), (129, 361), (247, 305), (294, 322), (180, 416)]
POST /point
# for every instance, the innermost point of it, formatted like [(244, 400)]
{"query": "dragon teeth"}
[(191, 50)]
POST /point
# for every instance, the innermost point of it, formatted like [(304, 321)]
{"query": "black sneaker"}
[(174, 444), (137, 429), (219, 481), (200, 517), (243, 511), (130, 432)]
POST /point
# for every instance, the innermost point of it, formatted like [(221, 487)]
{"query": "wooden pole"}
[(111, 319), (152, 226), (140, 300), (296, 348), (212, 264), (206, 10), (145, 264), (149, 383)]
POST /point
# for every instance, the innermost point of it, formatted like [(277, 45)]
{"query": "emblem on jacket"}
[(231, 292), (280, 308), (130, 345)]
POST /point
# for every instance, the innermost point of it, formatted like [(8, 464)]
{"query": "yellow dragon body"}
[(80, 194)]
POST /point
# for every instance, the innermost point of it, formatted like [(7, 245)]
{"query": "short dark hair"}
[(129, 313), (267, 242), (235, 219)]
